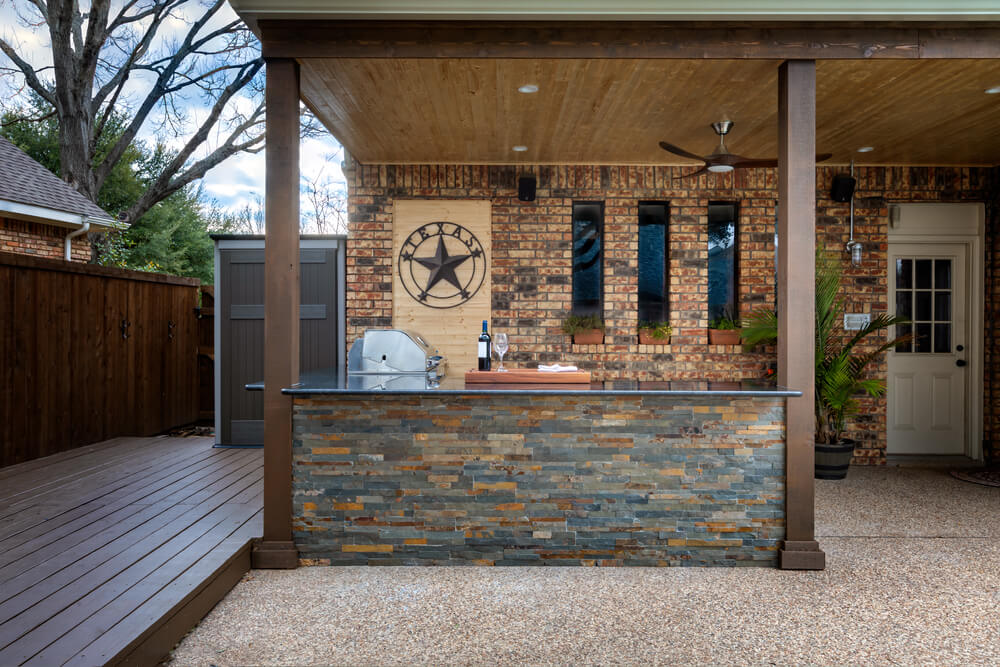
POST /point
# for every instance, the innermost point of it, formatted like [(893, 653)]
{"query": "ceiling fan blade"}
[(748, 163), (693, 173), (676, 150)]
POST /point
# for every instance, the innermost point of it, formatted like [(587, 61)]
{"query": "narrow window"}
[(654, 271), (588, 264), (723, 267)]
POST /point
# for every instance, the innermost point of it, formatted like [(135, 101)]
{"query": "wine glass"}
[(500, 345)]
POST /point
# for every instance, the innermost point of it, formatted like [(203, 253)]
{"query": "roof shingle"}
[(24, 181)]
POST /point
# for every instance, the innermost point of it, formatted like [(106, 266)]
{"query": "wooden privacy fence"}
[(89, 353)]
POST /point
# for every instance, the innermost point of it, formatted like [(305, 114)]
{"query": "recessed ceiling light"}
[(528, 88), (519, 149), (993, 91), (866, 149)]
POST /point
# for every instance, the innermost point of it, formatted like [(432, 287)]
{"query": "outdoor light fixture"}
[(720, 168), (528, 88), (866, 149), (519, 149), (853, 247)]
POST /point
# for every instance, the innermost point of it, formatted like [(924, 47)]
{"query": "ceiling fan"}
[(722, 161)]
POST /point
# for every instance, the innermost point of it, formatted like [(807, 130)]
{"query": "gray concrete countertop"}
[(334, 382)]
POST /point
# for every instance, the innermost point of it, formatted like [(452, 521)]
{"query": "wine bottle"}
[(485, 349)]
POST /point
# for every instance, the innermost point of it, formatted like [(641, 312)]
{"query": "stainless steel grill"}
[(395, 352)]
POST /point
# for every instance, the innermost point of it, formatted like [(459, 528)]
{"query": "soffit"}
[(607, 111)]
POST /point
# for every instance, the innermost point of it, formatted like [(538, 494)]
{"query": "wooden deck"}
[(110, 553)]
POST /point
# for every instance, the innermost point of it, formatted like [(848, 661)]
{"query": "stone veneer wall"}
[(532, 259), (34, 238), (519, 480)]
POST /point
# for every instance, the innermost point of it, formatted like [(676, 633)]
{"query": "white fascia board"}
[(662, 10), (50, 216)]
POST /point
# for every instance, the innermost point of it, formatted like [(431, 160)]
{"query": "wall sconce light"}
[(854, 247)]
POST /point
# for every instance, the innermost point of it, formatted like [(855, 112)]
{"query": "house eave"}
[(50, 216)]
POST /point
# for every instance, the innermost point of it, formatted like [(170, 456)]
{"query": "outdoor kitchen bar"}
[(674, 474), (395, 462)]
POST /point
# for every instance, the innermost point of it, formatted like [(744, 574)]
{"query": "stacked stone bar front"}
[(385, 479)]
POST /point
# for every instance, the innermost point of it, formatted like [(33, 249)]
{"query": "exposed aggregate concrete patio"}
[(913, 577)]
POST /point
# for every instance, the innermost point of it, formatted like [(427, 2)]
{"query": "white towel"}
[(556, 368)]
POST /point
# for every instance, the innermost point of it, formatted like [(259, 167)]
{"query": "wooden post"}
[(796, 303), (281, 309)]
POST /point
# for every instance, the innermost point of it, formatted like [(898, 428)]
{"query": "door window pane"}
[(904, 304), (942, 274), (923, 306), (588, 232), (722, 260), (904, 273), (904, 330), (923, 337), (654, 274), (942, 306), (942, 338), (923, 271)]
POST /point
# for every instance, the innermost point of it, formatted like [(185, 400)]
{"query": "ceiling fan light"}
[(720, 168), (992, 91)]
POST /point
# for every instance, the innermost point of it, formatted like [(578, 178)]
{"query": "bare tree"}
[(248, 219), (326, 199), (120, 57)]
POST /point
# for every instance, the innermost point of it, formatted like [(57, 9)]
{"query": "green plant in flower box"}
[(656, 330), (575, 324)]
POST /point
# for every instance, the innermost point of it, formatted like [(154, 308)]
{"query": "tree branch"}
[(166, 184), (152, 98), (28, 72)]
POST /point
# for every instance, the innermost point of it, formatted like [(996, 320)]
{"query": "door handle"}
[(960, 362)]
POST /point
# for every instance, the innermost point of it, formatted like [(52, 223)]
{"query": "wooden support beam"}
[(281, 309), (320, 38), (796, 304)]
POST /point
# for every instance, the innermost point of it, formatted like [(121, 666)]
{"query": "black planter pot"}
[(832, 461)]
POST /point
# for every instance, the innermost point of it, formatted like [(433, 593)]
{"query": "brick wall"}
[(34, 238), (538, 480), (532, 258)]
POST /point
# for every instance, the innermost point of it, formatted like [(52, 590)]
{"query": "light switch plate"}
[(856, 321)]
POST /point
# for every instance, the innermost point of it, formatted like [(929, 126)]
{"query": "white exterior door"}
[(928, 377)]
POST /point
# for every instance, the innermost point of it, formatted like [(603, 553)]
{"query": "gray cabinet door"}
[(240, 304)]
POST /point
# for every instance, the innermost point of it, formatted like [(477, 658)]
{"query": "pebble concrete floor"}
[(912, 578)]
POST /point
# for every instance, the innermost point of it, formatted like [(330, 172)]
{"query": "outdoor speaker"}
[(526, 188), (842, 188)]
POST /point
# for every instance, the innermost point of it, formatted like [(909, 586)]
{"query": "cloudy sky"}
[(231, 184)]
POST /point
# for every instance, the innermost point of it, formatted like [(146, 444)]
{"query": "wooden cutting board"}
[(527, 376)]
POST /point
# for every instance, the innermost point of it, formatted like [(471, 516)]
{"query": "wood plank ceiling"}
[(615, 111)]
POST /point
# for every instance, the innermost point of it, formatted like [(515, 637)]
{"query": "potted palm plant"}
[(585, 329), (655, 333), (840, 365), (724, 330)]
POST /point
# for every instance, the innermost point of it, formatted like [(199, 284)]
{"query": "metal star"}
[(442, 266)]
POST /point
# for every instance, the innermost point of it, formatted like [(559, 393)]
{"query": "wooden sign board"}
[(441, 284), (527, 376)]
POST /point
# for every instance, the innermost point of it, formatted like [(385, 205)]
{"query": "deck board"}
[(139, 542)]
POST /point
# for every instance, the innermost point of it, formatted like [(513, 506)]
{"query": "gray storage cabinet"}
[(239, 325)]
